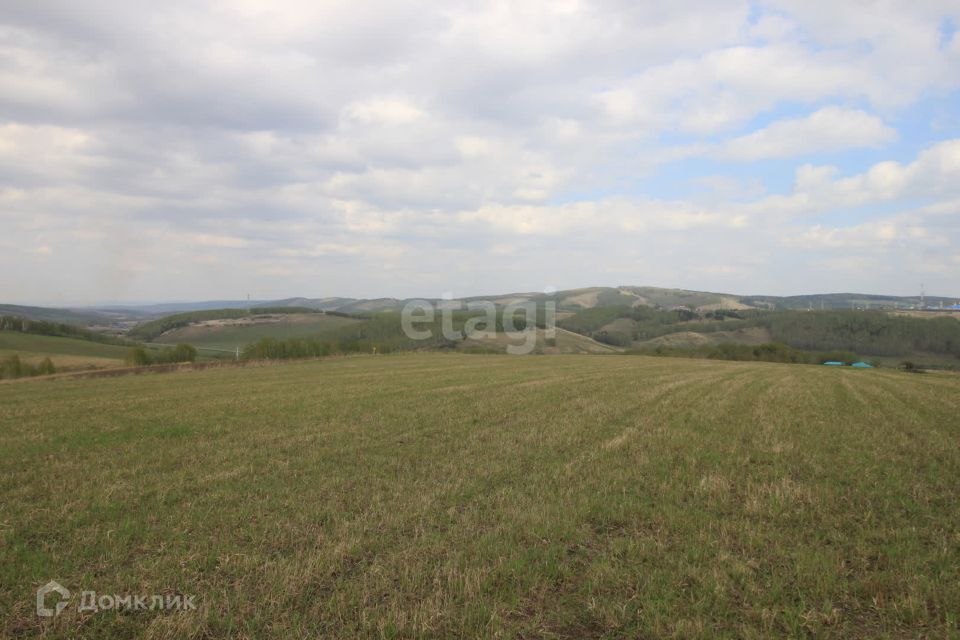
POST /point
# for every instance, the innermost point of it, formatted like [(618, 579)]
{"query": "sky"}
[(186, 150)]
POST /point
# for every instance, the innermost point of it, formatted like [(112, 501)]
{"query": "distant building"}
[(833, 363), (862, 365)]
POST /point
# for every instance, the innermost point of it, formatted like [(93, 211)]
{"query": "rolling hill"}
[(591, 297), (66, 353), (625, 317), (78, 317), (570, 299), (229, 334)]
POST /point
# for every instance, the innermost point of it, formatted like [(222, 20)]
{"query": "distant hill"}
[(78, 317), (227, 334), (320, 304), (570, 299), (829, 301), (154, 328), (182, 307), (620, 318), (592, 297), (121, 318)]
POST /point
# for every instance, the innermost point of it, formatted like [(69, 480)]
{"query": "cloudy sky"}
[(185, 150)]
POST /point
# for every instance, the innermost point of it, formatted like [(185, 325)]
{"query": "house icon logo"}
[(54, 587)]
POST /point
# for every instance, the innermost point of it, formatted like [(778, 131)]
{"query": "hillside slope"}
[(78, 317), (228, 334), (66, 353)]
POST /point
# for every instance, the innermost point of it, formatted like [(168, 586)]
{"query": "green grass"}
[(449, 495), (230, 336), (65, 352)]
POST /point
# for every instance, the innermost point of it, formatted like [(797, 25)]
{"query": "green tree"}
[(184, 353), (137, 357), (12, 367), (46, 367)]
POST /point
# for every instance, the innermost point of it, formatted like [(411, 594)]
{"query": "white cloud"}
[(828, 129), (335, 142), (601, 218), (384, 111), (209, 240), (935, 172)]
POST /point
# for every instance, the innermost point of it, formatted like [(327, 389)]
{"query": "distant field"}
[(229, 335), (750, 335), (565, 342), (929, 315), (64, 352), (450, 495)]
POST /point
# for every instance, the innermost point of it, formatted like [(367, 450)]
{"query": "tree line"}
[(869, 332), (13, 367), (141, 357), (769, 352), (59, 329)]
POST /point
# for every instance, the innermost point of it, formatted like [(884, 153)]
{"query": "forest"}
[(874, 333), (866, 332), (48, 328)]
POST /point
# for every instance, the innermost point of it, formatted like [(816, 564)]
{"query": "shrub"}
[(12, 367), (46, 367), (612, 338), (138, 357), (184, 353)]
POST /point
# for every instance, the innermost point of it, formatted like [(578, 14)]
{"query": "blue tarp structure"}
[(833, 363), (862, 365)]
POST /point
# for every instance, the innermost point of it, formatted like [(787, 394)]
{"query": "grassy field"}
[(66, 353), (451, 495), (229, 336), (565, 342)]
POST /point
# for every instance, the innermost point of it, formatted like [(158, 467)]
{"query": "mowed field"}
[(453, 495), (66, 353), (228, 335)]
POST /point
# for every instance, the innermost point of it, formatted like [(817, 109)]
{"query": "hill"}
[(78, 317), (166, 308), (830, 301), (593, 297), (66, 353), (613, 496), (567, 300), (228, 334), (622, 318), (213, 318), (933, 340)]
